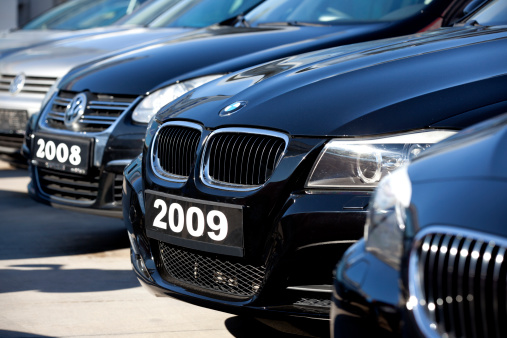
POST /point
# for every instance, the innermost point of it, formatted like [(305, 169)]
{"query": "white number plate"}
[(61, 153), (195, 224)]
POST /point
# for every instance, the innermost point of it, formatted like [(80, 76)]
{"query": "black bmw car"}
[(433, 260), (95, 122), (251, 187)]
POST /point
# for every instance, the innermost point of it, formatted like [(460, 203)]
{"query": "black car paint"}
[(226, 49), (458, 184), (302, 232), (440, 76)]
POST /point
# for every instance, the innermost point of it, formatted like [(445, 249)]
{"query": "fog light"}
[(137, 259), (140, 266)]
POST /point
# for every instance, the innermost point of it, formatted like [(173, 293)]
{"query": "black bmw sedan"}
[(96, 119), (251, 187), (433, 260)]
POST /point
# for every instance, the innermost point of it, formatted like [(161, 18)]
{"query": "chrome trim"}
[(345, 241), (204, 173), (415, 280), (124, 162), (325, 288), (48, 112), (154, 162)]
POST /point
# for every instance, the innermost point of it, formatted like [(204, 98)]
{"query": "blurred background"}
[(15, 13)]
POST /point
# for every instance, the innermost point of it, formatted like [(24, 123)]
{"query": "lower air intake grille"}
[(462, 287), (68, 186), (212, 273), (242, 159), (11, 141)]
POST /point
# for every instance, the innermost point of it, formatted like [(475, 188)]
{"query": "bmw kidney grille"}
[(233, 158), (241, 159), (175, 150), (463, 284)]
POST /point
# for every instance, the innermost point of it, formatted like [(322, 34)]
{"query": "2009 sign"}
[(193, 220), (197, 224), (49, 150)]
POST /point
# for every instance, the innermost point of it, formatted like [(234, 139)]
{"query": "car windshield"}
[(333, 11), (202, 13), (82, 14)]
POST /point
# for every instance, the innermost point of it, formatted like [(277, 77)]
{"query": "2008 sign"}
[(193, 220), (49, 150)]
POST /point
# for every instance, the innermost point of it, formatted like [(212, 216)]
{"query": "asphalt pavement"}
[(68, 274)]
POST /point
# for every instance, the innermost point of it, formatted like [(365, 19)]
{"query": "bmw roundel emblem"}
[(17, 84), (232, 108), (75, 109)]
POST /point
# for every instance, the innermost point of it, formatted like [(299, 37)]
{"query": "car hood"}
[(55, 59), (371, 88), (11, 41), (224, 48)]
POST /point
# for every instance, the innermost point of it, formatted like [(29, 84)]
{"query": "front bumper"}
[(311, 233), (99, 192), (366, 296)]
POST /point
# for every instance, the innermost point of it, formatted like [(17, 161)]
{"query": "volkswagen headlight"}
[(156, 100), (387, 218), (359, 164)]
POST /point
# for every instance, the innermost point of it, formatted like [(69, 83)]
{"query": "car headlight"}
[(156, 100), (363, 163), (387, 218)]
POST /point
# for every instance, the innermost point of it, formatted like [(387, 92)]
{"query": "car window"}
[(334, 11), (82, 14), (202, 13)]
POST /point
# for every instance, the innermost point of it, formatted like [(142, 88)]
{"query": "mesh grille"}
[(13, 120), (68, 186), (463, 285), (33, 84), (176, 149), (101, 111), (212, 273), (242, 158)]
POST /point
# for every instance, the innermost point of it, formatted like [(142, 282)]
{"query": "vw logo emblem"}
[(17, 84), (232, 108), (75, 109)]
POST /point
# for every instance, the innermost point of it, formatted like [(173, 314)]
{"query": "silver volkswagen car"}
[(27, 76)]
